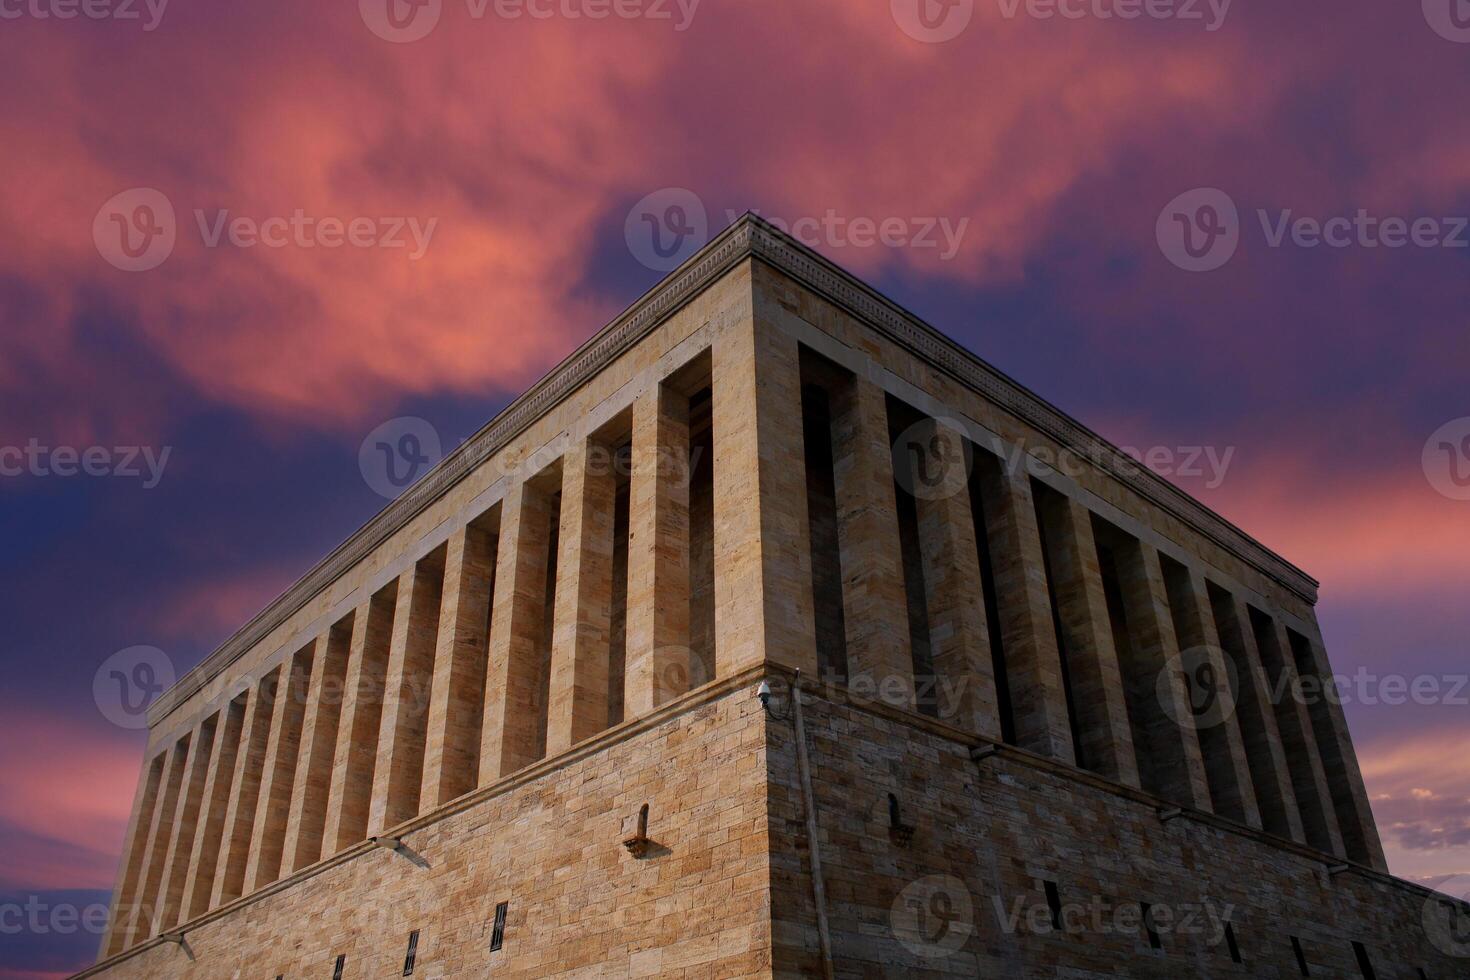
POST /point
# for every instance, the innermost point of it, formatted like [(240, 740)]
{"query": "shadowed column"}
[(398, 774), (959, 637), (763, 561), (874, 601), (1087, 637), (282, 749), (1339, 760), (318, 745), (204, 855), (511, 735), (1308, 779), (1033, 661), (1170, 750), (1269, 773), (186, 824), (452, 755), (160, 834), (577, 700), (357, 730), (657, 647), (229, 877), (1218, 730), (140, 828)]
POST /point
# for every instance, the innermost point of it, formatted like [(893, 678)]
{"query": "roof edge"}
[(748, 237)]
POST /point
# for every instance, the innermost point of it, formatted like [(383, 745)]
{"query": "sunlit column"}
[(457, 694), (399, 771), (511, 736), (582, 611), (657, 645), (763, 566), (874, 601)]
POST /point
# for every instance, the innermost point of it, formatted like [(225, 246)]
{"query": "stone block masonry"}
[(452, 726)]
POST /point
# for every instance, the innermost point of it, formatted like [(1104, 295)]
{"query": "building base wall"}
[(580, 903), (962, 892)]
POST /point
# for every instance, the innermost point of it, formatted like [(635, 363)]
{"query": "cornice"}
[(749, 237)]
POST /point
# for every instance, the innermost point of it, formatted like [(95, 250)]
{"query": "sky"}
[(236, 239)]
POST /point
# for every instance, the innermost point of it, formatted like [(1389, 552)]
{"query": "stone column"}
[(140, 828), (150, 879), (1221, 743), (582, 611), (357, 730), (763, 559), (1271, 775), (874, 602), (234, 853), (1340, 761), (204, 855), (308, 815), (511, 736), (1176, 757), (959, 636), (452, 755), (186, 823), (1087, 637), (283, 746), (657, 648), (1033, 660), (1309, 779), (398, 774)]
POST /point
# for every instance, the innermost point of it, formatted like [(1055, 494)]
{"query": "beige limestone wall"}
[(551, 845)]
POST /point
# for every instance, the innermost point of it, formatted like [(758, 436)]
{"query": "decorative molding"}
[(927, 342), (748, 237)]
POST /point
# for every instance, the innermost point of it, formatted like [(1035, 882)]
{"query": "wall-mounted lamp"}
[(177, 938), (764, 693), (982, 752), (639, 844), (396, 845)]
